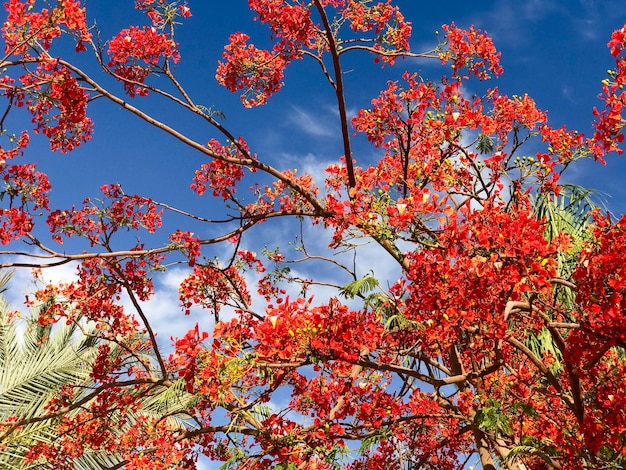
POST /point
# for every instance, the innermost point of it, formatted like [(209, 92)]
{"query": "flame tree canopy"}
[(499, 341)]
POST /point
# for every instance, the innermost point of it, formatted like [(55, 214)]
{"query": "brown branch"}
[(542, 368), (12, 426), (563, 282), (250, 162), (391, 248), (373, 50), (354, 374), (339, 92), (597, 356), (435, 382), (66, 258), (576, 401), (144, 319)]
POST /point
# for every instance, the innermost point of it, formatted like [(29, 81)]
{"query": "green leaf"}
[(518, 451), (210, 112), (492, 418), (484, 144), (360, 287), (400, 322), (526, 409)]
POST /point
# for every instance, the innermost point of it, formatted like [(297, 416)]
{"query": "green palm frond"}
[(569, 214), (36, 361)]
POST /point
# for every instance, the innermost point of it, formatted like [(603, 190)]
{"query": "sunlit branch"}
[(250, 162), (435, 382), (540, 365), (12, 426), (65, 258), (380, 52), (144, 319), (341, 102)]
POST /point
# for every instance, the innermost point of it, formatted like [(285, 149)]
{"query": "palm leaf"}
[(36, 361)]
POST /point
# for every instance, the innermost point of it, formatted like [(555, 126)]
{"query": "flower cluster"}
[(386, 22), (483, 313), (185, 357), (257, 73), (223, 172), (608, 135), (602, 280), (279, 197), (137, 52), (213, 287), (25, 189), (58, 105), (98, 224), (472, 50), (24, 26), (187, 243), (163, 13), (290, 23)]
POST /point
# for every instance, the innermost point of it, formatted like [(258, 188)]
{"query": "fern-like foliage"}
[(36, 361)]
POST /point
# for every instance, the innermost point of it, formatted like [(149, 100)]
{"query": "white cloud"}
[(309, 164), (508, 21), (316, 125), (23, 283), (163, 310), (205, 464)]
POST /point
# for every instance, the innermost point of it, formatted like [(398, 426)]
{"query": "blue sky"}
[(554, 50)]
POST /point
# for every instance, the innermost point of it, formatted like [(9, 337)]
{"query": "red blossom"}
[(386, 22), (608, 135), (57, 102), (23, 24), (213, 288), (491, 332), (187, 350), (14, 224), (137, 52), (472, 50), (188, 243), (96, 225), (221, 174), (255, 72)]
